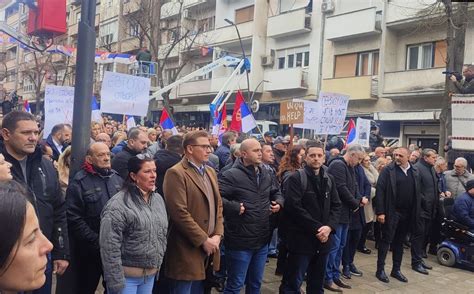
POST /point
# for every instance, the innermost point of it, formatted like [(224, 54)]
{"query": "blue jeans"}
[(245, 267), (142, 285), (47, 287), (272, 247), (335, 255), (186, 287)]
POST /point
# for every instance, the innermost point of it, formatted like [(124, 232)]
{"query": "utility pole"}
[(83, 85)]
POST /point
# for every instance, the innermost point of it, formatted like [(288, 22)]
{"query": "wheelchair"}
[(458, 244)]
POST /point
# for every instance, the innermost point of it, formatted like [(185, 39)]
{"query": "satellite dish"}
[(255, 106)]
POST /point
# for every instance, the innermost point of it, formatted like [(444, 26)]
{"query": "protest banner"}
[(463, 120), (58, 107), (124, 94), (291, 112), (363, 132), (327, 115)]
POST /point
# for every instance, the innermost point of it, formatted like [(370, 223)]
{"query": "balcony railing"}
[(357, 88), (421, 82), (289, 23), (364, 22), (286, 79)]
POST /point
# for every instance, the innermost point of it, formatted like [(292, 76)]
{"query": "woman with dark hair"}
[(291, 161), (133, 231), (23, 248)]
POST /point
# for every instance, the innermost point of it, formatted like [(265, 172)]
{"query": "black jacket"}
[(386, 198), (428, 189), (86, 196), (120, 161), (251, 230), (278, 156), (347, 188), (304, 215), (43, 185), (51, 144), (164, 160)]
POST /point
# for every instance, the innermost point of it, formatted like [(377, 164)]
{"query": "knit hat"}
[(469, 185)]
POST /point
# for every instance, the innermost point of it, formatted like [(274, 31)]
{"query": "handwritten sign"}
[(327, 115), (125, 94), (291, 112), (463, 120), (363, 132), (58, 107)]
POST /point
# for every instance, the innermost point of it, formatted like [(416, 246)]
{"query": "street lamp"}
[(243, 54), (253, 93)]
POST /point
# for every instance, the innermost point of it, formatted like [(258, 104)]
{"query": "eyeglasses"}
[(143, 156), (206, 147)]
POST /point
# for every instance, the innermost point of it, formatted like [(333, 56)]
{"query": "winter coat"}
[(372, 175), (304, 215), (49, 204), (120, 161), (346, 184), (363, 184), (153, 149), (457, 184), (250, 230), (164, 160), (188, 207), (386, 197), (56, 152), (86, 197), (428, 189), (463, 210), (223, 152), (132, 235), (119, 147), (278, 154)]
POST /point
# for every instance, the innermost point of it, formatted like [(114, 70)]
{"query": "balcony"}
[(131, 7), (289, 23), (358, 88), (414, 83), (195, 88), (286, 79), (405, 13), (170, 9), (354, 24), (192, 3), (228, 34)]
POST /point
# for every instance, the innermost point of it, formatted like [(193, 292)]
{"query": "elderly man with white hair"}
[(457, 178)]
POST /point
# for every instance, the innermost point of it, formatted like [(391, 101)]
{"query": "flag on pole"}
[(130, 122), (219, 119), (242, 118), (351, 133), (96, 113), (26, 105), (166, 123)]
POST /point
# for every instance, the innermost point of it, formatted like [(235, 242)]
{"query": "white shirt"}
[(58, 146), (405, 170)]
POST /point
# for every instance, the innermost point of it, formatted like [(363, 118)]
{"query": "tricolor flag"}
[(166, 123), (242, 118), (96, 113), (351, 133), (26, 105), (219, 126)]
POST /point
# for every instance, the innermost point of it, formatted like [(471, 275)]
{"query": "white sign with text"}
[(58, 107)]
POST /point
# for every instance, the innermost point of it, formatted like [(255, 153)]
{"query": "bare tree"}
[(176, 34)]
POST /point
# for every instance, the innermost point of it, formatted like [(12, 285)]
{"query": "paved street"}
[(440, 280)]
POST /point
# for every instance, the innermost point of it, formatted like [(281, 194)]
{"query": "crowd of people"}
[(155, 212)]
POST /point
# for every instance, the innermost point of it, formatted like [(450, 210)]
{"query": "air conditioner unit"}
[(327, 6), (268, 60)]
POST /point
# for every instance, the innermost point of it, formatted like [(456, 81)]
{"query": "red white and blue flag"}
[(351, 133), (219, 126), (26, 105), (242, 118), (166, 123)]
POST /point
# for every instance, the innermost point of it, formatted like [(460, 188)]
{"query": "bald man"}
[(86, 196), (104, 138), (249, 196)]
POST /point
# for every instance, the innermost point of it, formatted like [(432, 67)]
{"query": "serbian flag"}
[(220, 122), (26, 105), (96, 114), (242, 118), (351, 133), (166, 123)]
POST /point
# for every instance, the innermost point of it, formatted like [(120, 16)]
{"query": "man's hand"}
[(381, 218), (274, 207), (453, 78), (323, 233), (60, 266), (448, 194), (364, 201), (242, 209), (211, 245)]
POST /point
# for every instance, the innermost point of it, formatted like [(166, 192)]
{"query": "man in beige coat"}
[(194, 205)]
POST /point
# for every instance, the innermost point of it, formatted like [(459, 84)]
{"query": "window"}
[(134, 30), (108, 33), (170, 74), (420, 56), (207, 76), (11, 75), (293, 57), (244, 14), (28, 85), (205, 25), (11, 53), (367, 63)]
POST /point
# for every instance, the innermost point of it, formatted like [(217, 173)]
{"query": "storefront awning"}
[(408, 116)]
